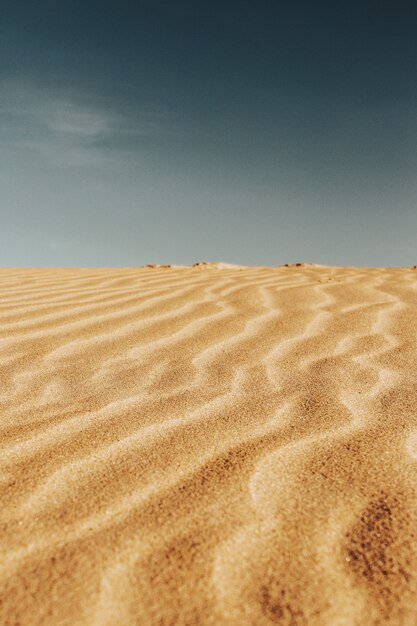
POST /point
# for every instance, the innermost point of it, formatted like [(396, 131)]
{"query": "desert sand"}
[(208, 445)]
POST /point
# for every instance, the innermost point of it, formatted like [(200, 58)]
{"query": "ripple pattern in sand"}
[(211, 445)]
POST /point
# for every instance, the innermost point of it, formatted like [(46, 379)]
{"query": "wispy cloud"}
[(71, 128), (71, 119)]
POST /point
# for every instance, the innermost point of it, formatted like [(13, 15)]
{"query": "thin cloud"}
[(71, 128), (70, 119)]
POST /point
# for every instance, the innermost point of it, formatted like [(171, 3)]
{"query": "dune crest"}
[(217, 448)]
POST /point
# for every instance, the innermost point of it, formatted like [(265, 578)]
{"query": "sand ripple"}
[(208, 445)]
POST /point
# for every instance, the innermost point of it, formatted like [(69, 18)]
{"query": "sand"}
[(212, 445)]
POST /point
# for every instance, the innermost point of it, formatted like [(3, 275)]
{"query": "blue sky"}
[(246, 132)]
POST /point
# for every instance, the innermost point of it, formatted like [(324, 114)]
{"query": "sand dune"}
[(233, 446)]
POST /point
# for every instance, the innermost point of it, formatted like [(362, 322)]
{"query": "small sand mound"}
[(218, 266)]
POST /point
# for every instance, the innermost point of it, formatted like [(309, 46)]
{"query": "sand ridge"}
[(216, 444)]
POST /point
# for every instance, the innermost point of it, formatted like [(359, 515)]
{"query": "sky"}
[(252, 132)]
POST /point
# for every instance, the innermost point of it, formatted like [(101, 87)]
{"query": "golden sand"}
[(208, 445)]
